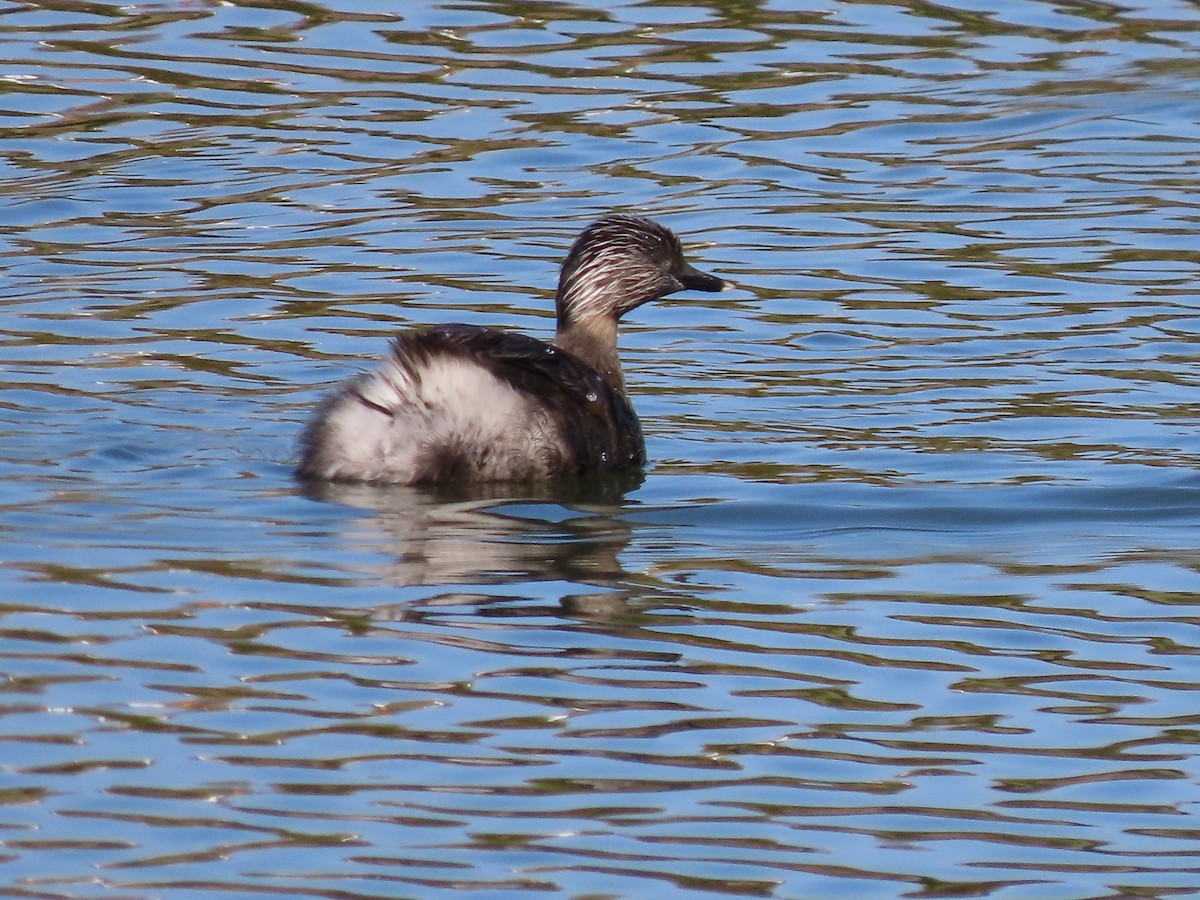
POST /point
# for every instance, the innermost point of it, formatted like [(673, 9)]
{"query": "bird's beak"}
[(693, 279)]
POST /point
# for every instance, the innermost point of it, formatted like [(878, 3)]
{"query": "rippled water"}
[(906, 603)]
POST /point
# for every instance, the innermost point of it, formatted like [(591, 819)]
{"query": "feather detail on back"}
[(466, 403)]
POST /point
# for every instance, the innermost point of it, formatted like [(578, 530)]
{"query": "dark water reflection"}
[(905, 604)]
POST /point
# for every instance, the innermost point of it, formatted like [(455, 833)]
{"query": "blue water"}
[(905, 603)]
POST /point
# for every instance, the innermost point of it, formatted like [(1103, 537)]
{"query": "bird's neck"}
[(594, 340)]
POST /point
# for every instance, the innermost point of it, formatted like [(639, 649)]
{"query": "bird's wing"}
[(598, 424)]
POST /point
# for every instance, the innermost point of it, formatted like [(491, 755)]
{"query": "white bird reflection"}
[(491, 534)]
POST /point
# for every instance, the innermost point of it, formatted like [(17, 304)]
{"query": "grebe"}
[(463, 403)]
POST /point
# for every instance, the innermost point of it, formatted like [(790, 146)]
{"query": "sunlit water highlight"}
[(904, 604)]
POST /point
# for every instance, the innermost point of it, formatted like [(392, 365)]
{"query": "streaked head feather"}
[(620, 262)]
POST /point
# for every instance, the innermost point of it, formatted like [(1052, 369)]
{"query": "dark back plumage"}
[(599, 429)]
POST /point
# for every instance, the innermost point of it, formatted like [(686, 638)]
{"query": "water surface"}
[(904, 604)]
